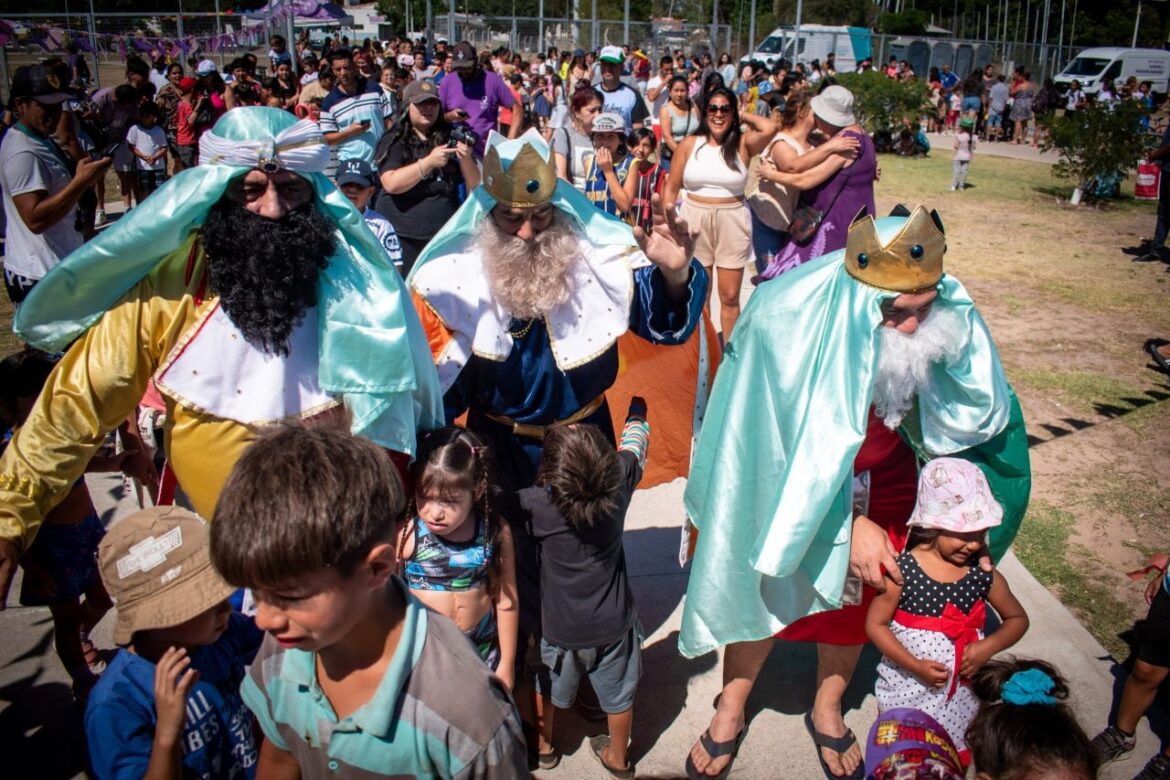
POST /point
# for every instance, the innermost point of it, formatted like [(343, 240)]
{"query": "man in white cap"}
[(842, 196), (617, 97)]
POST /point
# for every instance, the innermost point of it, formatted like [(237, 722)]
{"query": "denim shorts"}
[(972, 103), (613, 670), (995, 119)]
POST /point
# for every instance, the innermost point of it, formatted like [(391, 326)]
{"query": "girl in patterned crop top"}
[(456, 555), (930, 628)]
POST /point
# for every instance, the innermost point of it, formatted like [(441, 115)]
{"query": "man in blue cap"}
[(251, 293)]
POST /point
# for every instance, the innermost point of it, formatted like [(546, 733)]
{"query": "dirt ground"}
[(1070, 312)]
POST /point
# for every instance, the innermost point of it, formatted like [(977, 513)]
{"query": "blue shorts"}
[(995, 119), (972, 103), (68, 553), (613, 671)]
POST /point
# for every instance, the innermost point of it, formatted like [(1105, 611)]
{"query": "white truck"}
[(817, 42), (1092, 66)]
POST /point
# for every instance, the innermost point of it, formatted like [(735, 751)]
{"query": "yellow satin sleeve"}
[(97, 384)]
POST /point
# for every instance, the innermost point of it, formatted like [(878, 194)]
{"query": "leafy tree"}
[(1097, 143), (909, 22), (882, 103)]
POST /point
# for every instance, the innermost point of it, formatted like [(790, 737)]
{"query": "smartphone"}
[(108, 151), (462, 114), (365, 123)]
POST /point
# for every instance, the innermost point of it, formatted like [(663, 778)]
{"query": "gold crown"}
[(912, 261), (529, 180)]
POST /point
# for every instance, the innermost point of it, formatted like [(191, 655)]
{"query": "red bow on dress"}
[(958, 626)]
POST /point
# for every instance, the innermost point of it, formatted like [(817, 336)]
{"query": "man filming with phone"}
[(41, 183), (355, 113)]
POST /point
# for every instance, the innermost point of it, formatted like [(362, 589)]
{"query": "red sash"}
[(957, 626)]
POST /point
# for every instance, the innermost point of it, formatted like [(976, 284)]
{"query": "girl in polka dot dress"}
[(930, 628)]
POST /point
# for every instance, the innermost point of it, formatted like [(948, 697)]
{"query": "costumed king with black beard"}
[(861, 363), (251, 292)]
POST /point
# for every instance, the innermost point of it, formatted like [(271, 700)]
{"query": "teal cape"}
[(600, 228), (373, 352), (770, 487)]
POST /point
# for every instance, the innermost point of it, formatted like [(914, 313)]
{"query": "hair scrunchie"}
[(1030, 686)]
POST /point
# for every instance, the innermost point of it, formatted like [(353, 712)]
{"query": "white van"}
[(817, 42), (1092, 66)]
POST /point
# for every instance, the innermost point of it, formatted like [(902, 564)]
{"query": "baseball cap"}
[(355, 171), (205, 68), (156, 564), (835, 106), (405, 60), (419, 92), (608, 122), (39, 83), (186, 84), (612, 54), (463, 55)]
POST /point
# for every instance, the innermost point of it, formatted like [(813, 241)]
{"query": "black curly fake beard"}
[(265, 270)]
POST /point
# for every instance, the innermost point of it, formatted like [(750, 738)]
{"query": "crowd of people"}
[(338, 261)]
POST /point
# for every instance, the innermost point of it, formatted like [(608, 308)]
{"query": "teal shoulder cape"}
[(770, 488), (373, 352)]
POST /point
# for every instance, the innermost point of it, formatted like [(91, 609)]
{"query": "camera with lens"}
[(462, 134)]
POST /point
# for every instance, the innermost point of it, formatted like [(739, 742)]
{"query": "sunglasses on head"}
[(718, 108)]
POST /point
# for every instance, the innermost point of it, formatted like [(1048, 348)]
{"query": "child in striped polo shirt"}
[(356, 678)]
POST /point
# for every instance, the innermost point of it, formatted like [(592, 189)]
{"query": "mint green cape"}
[(600, 228), (373, 352), (770, 488)]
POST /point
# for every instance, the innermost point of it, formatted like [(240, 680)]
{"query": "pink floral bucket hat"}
[(953, 495)]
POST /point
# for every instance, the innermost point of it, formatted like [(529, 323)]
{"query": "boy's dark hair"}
[(580, 468), (300, 500), (1015, 742), (23, 374), (340, 54), (149, 109), (125, 94)]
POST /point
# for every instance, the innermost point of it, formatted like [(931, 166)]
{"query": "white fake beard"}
[(528, 278), (905, 361)]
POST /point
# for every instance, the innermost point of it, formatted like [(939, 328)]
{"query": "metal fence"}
[(105, 40), (531, 34)]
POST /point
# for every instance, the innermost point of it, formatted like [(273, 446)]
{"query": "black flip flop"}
[(600, 743), (715, 750), (1161, 360), (839, 745)]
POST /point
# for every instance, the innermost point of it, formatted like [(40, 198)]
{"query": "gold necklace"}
[(519, 334)]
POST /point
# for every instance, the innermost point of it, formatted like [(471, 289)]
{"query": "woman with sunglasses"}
[(712, 168)]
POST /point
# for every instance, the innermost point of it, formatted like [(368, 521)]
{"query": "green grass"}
[(1068, 569), (1083, 389), (9, 343)]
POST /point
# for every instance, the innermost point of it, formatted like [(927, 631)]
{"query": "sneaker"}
[(100, 217), (1151, 256), (1158, 768), (1112, 744)]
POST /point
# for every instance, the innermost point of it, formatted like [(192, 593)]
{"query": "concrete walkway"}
[(943, 142), (40, 731)]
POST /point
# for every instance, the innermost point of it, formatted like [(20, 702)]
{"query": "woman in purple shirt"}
[(839, 198)]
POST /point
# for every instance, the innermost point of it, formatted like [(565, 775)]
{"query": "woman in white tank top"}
[(787, 166), (712, 168)]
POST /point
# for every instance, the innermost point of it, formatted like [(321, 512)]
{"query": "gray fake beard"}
[(529, 278), (905, 361)]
